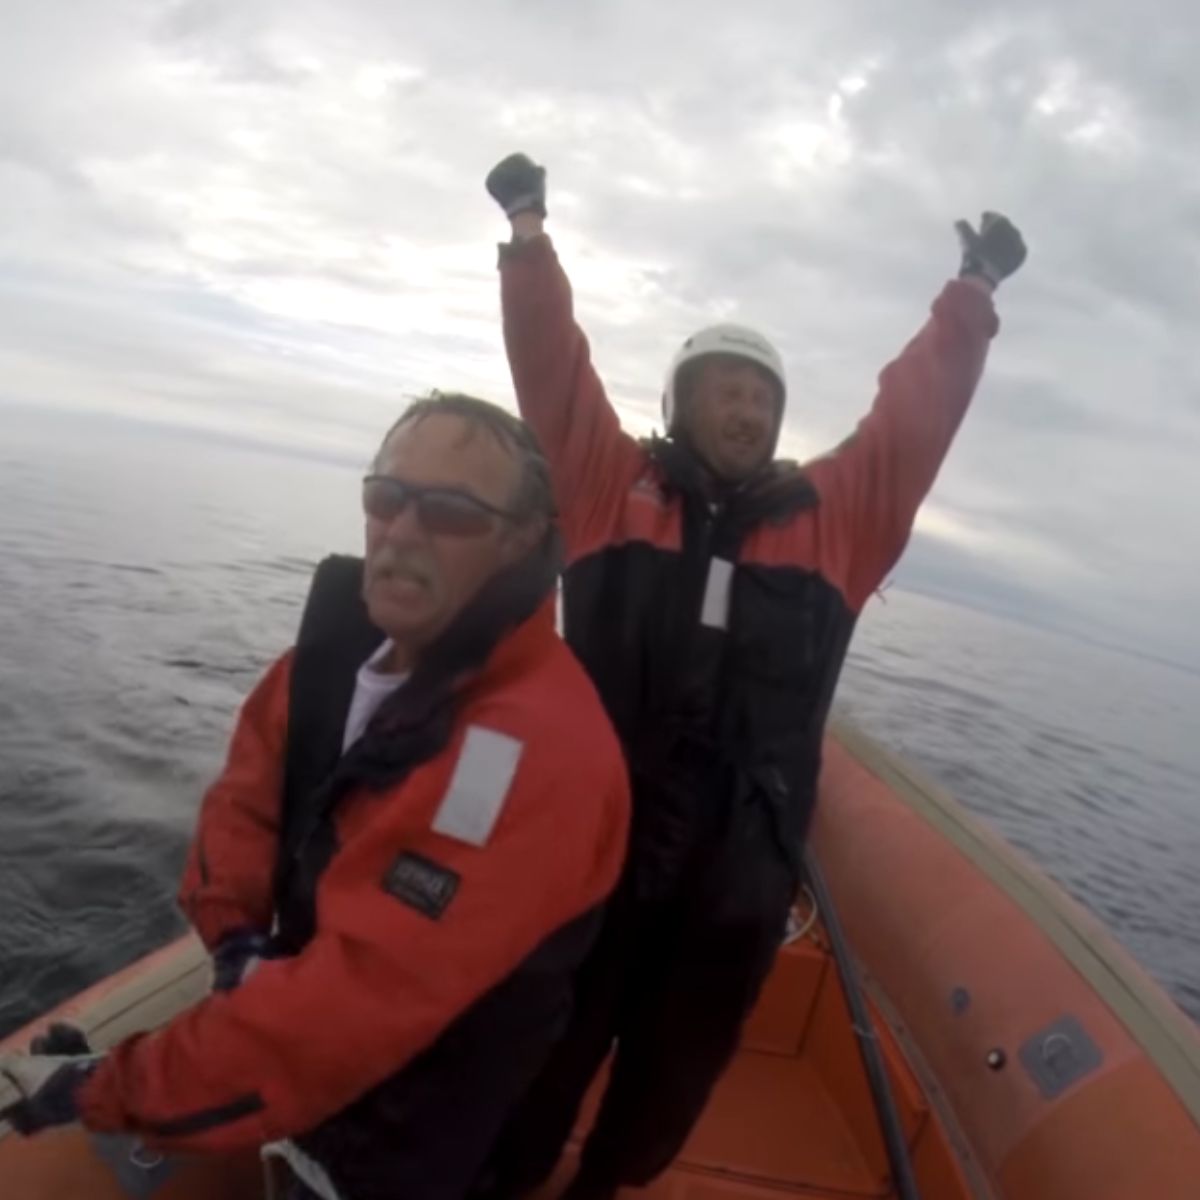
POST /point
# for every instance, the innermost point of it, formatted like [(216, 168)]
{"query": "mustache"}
[(389, 563)]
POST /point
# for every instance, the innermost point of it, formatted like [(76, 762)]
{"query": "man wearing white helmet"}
[(724, 359), (711, 592)]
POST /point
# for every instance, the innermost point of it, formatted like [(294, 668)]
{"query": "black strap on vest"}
[(336, 637)]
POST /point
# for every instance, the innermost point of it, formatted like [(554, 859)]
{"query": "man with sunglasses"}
[(402, 863), (711, 592)]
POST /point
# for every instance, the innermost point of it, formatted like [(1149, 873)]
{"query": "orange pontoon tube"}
[(1030, 1058)]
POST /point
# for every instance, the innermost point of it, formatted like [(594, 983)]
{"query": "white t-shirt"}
[(371, 688)]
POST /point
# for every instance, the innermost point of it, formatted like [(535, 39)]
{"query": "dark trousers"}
[(427, 1132), (671, 980)]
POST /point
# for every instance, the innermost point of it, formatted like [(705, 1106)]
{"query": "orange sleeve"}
[(229, 874), (592, 460), (303, 1037), (872, 486)]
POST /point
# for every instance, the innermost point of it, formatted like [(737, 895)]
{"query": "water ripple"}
[(142, 601)]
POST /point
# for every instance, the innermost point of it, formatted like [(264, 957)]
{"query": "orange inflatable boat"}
[(1029, 1057)]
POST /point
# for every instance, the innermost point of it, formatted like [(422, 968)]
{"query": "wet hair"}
[(534, 495)]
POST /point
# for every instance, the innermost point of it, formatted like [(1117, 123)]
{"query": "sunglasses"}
[(440, 510)]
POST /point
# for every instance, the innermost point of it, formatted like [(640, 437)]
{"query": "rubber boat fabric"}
[(965, 947)]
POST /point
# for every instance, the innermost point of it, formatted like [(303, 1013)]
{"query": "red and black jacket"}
[(715, 634), (427, 975)]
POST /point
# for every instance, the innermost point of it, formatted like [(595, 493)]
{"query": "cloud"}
[(268, 217)]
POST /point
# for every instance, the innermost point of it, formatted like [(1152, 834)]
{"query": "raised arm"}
[(873, 484), (558, 391), (227, 881)]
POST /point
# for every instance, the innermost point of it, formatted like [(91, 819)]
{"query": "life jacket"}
[(425, 1131), (336, 637), (718, 679)]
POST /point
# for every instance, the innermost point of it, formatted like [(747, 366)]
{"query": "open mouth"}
[(400, 579), (744, 441)]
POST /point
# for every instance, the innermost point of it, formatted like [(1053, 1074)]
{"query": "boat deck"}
[(792, 1116), (800, 1146), (967, 948)]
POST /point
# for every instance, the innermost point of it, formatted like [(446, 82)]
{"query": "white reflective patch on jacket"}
[(715, 612), (482, 776)]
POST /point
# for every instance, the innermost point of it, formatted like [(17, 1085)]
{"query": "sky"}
[(267, 218)]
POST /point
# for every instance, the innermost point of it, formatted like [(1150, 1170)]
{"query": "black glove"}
[(518, 185), (48, 1085), (995, 252), (237, 955)]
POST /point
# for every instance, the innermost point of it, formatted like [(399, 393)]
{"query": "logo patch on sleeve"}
[(421, 884)]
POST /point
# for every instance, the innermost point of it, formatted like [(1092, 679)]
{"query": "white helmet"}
[(734, 340)]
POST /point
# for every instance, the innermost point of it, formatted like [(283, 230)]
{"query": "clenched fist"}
[(994, 252), (518, 185)]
